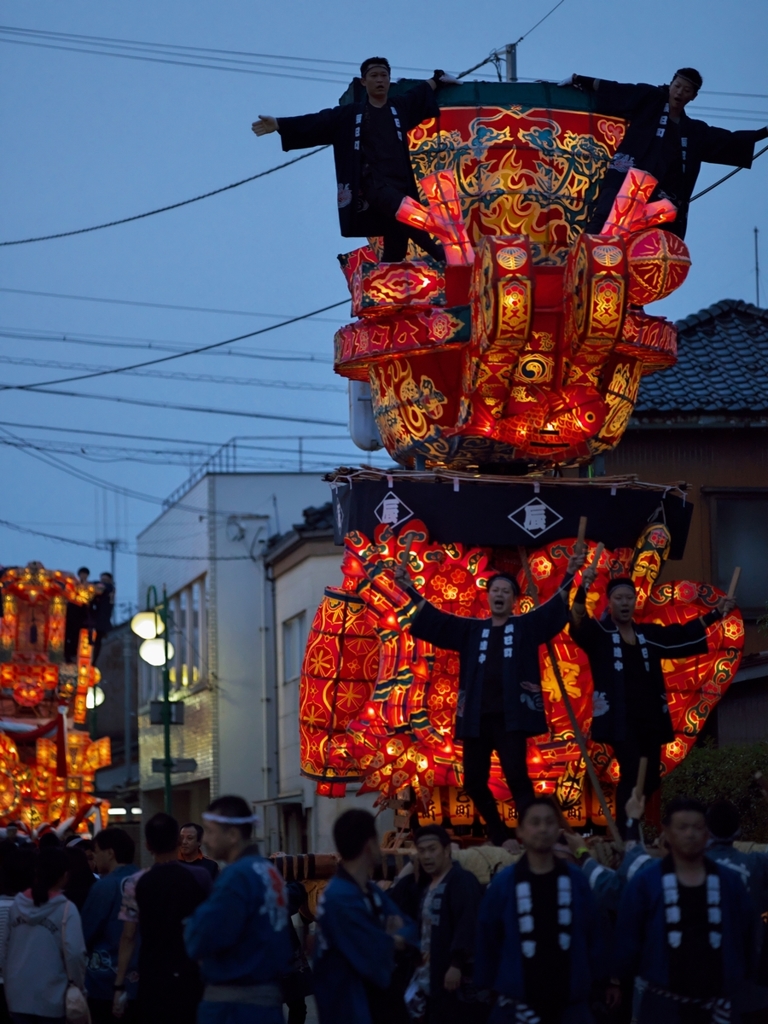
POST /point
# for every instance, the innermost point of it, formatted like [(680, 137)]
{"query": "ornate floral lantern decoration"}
[(47, 765)]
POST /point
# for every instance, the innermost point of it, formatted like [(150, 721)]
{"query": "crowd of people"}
[(670, 933)]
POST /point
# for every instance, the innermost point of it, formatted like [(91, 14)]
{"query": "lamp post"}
[(158, 652)]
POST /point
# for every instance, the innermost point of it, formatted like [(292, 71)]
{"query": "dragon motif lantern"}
[(47, 764)]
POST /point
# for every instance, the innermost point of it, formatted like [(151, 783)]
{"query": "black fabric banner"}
[(500, 515)]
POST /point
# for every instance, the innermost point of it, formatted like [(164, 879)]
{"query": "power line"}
[(185, 50), (168, 440), (165, 359), (164, 209), (154, 305), (312, 77), (725, 177), (207, 378), (173, 456), (100, 547), (37, 390), (552, 11), (268, 355)]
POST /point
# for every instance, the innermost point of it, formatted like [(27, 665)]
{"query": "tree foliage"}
[(712, 773)]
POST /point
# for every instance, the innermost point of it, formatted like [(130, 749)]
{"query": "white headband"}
[(222, 820)]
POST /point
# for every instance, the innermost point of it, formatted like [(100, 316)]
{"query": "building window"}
[(194, 635), (294, 638), (188, 635), (184, 639), (740, 537)]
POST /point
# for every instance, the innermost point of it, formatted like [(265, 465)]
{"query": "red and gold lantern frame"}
[(44, 777), (515, 358), (399, 726)]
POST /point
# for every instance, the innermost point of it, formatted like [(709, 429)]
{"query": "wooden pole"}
[(578, 735), (642, 770), (582, 530), (598, 554), (406, 553), (734, 581)]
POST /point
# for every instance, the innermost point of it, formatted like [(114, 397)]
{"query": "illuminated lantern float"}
[(522, 353), (47, 764)]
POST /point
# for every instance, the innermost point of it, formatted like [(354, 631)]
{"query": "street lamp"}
[(158, 651), (94, 698)]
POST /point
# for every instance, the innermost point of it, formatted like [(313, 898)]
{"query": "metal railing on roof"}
[(224, 460)]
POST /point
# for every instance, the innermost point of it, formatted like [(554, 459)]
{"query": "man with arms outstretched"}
[(629, 703), (370, 148), (662, 140), (500, 697)]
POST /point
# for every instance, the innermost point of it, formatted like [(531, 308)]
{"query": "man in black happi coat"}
[(663, 140), (444, 899), (630, 709), (370, 149), (500, 697)]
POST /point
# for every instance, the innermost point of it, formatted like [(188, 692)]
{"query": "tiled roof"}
[(722, 365)]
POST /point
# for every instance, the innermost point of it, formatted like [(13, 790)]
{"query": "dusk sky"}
[(89, 137)]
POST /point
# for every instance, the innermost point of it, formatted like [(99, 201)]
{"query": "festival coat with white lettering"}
[(341, 127), (643, 105), (641, 948), (498, 949), (240, 935), (354, 956), (752, 868), (600, 640), (523, 635)]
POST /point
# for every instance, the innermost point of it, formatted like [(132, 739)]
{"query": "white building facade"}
[(206, 549)]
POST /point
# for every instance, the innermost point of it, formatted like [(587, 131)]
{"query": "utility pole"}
[(167, 759), (757, 271), (510, 53), (112, 546), (127, 702)]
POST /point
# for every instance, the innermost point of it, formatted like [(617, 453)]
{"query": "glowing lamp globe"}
[(658, 264), (94, 698), (153, 652), (147, 625)]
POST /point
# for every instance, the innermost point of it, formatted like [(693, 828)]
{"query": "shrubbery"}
[(712, 773)]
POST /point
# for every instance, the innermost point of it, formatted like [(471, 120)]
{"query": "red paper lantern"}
[(658, 264)]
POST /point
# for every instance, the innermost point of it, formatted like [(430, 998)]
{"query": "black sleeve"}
[(623, 100), (416, 105), (309, 130), (586, 634), (297, 897), (677, 641), (546, 621), (441, 629), (735, 149), (466, 896)]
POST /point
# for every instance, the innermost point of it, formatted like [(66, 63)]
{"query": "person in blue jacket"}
[(724, 829), (359, 929), (685, 929), (538, 933), (239, 934), (114, 852)]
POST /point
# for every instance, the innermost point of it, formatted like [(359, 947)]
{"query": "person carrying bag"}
[(45, 957)]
